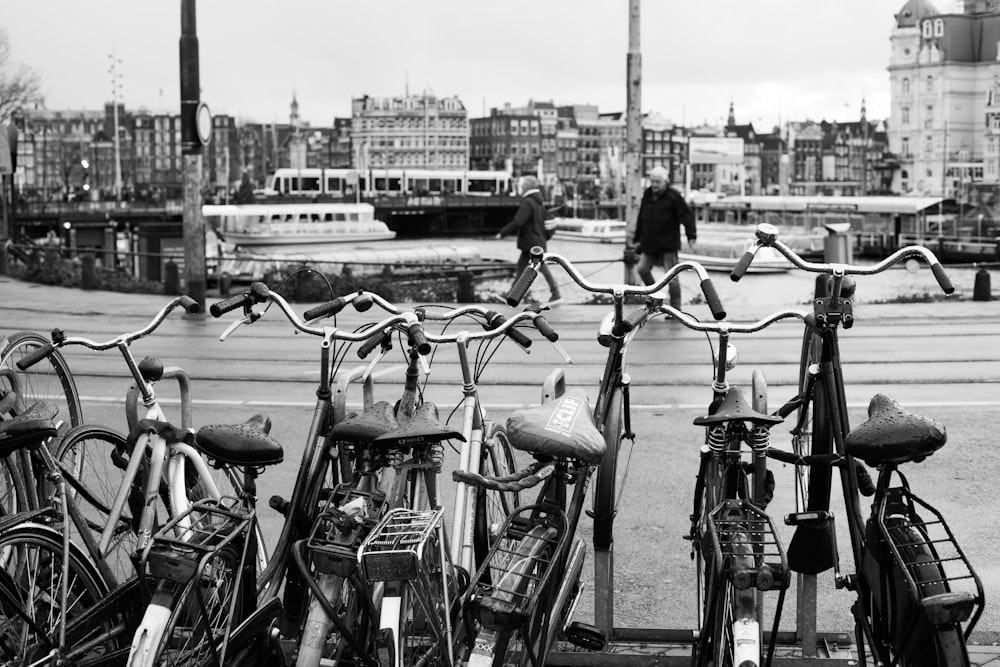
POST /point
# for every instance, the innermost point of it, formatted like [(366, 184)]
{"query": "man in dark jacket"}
[(529, 223), (658, 230)]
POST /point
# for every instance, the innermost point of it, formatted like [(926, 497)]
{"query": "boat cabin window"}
[(334, 185), (449, 185), (310, 184), (435, 185)]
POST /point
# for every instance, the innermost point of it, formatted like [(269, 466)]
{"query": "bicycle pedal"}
[(585, 636)]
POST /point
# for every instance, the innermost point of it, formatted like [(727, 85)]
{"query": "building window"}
[(906, 85), (930, 84), (927, 29), (906, 115), (939, 27), (905, 147)]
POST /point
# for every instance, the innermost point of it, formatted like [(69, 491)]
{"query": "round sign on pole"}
[(203, 120)]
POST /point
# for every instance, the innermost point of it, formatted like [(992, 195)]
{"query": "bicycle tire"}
[(188, 637), (32, 559), (929, 646), (493, 507), (97, 457), (49, 379), (613, 430)]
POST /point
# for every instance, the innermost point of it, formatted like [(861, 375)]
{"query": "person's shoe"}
[(554, 301)]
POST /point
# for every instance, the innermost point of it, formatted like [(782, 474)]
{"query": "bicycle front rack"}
[(746, 547), (939, 576), (518, 566), (346, 519)]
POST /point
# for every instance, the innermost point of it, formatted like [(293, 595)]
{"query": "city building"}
[(943, 72), (414, 131)]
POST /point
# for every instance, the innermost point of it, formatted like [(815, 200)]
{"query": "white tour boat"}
[(295, 226), (717, 252)]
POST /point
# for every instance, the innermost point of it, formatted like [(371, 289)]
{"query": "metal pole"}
[(194, 223), (118, 152), (633, 138)]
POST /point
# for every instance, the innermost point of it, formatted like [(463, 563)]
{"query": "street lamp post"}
[(115, 89)]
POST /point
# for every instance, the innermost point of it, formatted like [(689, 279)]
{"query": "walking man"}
[(529, 223), (658, 230)]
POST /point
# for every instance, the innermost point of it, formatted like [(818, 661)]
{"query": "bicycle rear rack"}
[(395, 549), (518, 566), (339, 531), (746, 547), (176, 553), (938, 574)]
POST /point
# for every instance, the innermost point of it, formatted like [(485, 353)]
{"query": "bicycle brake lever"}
[(562, 351), (246, 319), (371, 365)]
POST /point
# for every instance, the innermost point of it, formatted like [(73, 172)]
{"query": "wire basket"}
[(518, 566), (347, 517), (746, 546)]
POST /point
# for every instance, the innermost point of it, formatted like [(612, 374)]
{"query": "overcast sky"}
[(774, 59)]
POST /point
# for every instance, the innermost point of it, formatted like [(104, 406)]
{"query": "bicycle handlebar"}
[(730, 327), (539, 256), (58, 340), (767, 235)]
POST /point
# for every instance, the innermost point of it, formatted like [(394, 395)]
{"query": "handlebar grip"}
[(943, 280), (742, 266), (630, 321), (220, 308), (495, 320), (519, 337), (545, 328), (419, 340), (36, 355), (712, 298), (190, 305), (371, 343), (865, 484), (521, 286), (325, 309)]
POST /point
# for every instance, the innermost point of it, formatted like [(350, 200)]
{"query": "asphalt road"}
[(941, 359)]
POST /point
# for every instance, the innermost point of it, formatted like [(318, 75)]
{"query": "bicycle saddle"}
[(240, 444), (563, 428), (893, 435), (735, 408), (423, 428), (29, 429), (370, 424)]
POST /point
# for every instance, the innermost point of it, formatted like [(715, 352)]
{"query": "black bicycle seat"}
[(378, 419), (241, 444), (563, 428), (29, 429), (423, 428), (735, 408), (893, 435)]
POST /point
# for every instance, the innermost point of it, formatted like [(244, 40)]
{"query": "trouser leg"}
[(669, 261), (551, 280), (645, 268)]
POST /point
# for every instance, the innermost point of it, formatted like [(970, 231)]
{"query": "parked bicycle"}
[(63, 601), (914, 586), (529, 605)]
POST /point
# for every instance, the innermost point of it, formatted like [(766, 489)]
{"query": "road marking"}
[(644, 407)]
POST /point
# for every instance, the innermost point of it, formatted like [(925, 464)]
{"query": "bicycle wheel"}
[(31, 585), (49, 379), (97, 456), (606, 474), (198, 613), (493, 507), (915, 642)]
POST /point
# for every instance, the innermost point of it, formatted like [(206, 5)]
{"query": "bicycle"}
[(150, 464), (278, 620), (403, 564), (530, 604), (913, 584)]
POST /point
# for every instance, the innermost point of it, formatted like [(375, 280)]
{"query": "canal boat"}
[(295, 226)]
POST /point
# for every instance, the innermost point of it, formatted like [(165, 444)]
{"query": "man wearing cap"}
[(658, 230), (529, 225)]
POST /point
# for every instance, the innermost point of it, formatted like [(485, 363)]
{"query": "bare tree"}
[(19, 84)]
